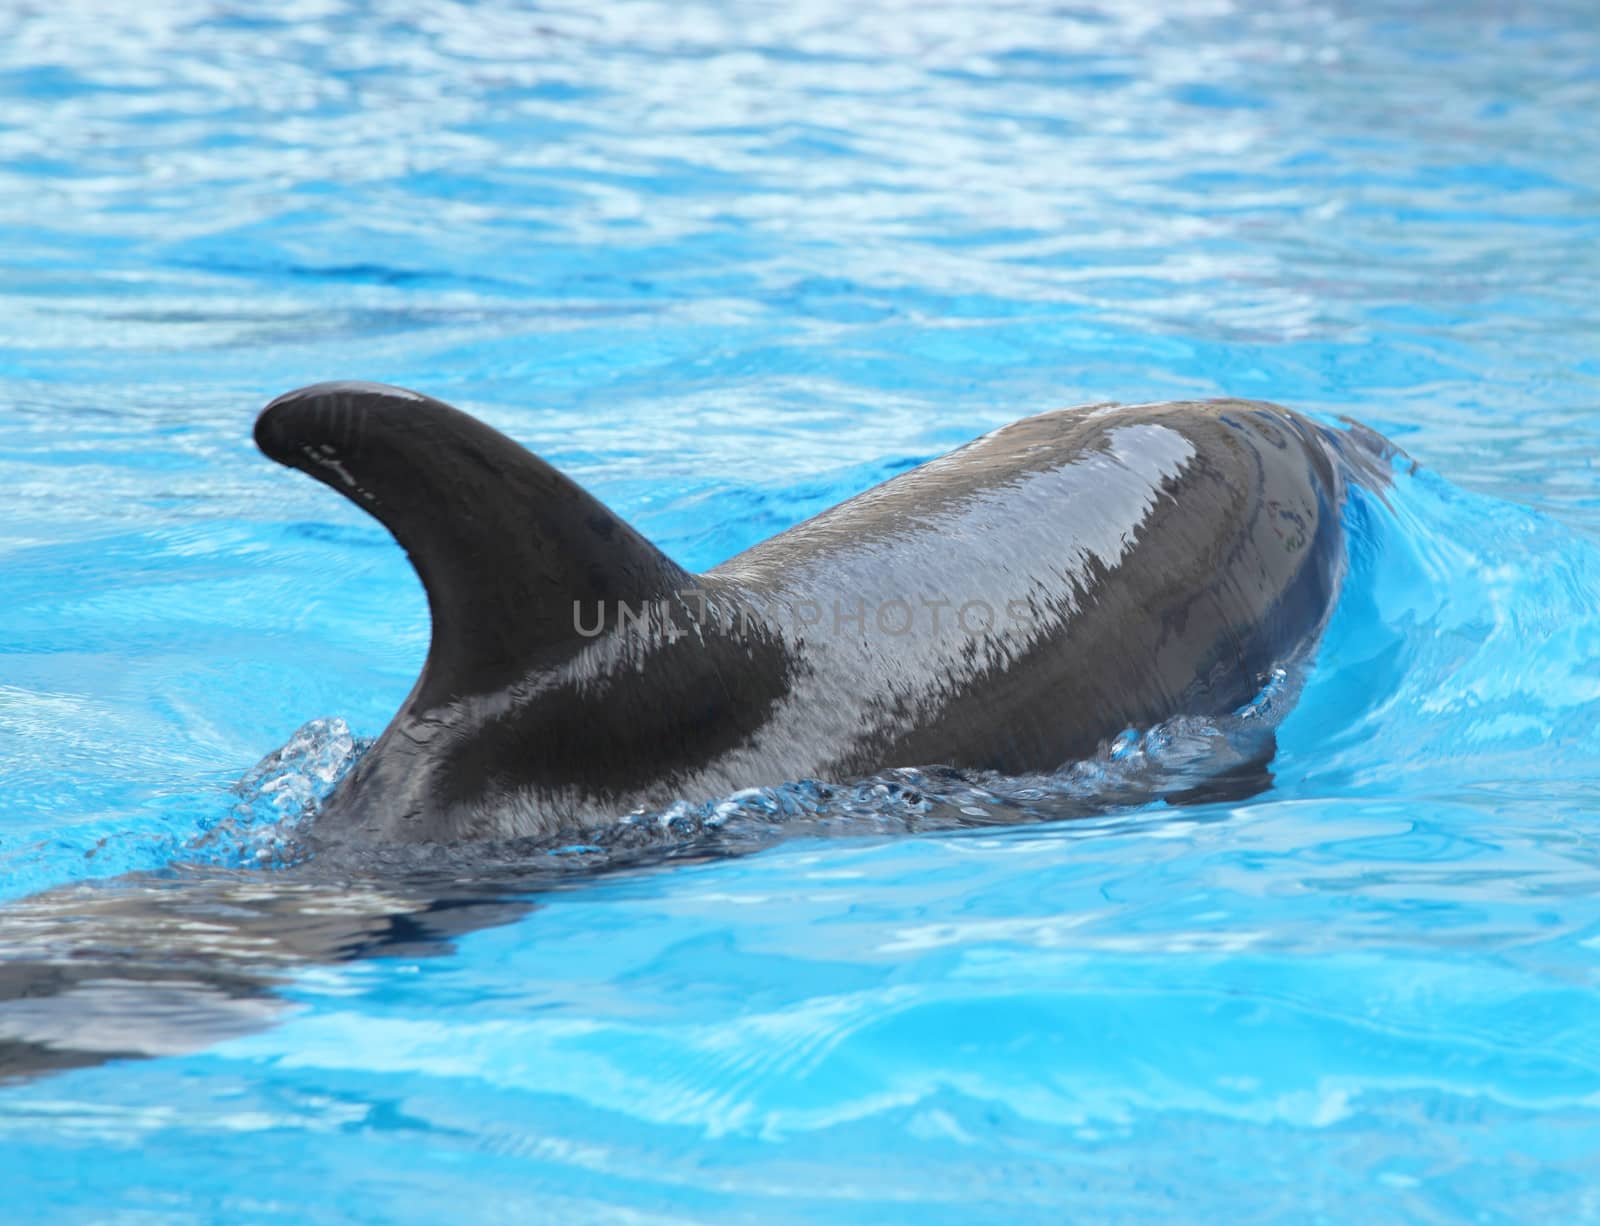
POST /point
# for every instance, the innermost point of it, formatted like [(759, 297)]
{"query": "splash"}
[(1183, 759), (277, 797)]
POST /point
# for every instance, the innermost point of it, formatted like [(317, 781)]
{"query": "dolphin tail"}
[(507, 548)]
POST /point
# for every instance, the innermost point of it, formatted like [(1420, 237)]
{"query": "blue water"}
[(726, 264)]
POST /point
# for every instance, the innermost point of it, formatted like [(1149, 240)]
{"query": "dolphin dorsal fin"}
[(503, 543)]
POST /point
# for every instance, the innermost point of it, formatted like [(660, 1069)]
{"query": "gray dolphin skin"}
[(1010, 607)]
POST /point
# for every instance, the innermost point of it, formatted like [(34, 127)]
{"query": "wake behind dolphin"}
[(1010, 607)]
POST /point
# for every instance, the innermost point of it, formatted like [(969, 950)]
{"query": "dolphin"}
[(1008, 607)]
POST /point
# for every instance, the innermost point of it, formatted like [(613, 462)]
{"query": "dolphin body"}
[(1007, 607)]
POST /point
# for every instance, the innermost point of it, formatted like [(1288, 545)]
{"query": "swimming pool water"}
[(727, 264)]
